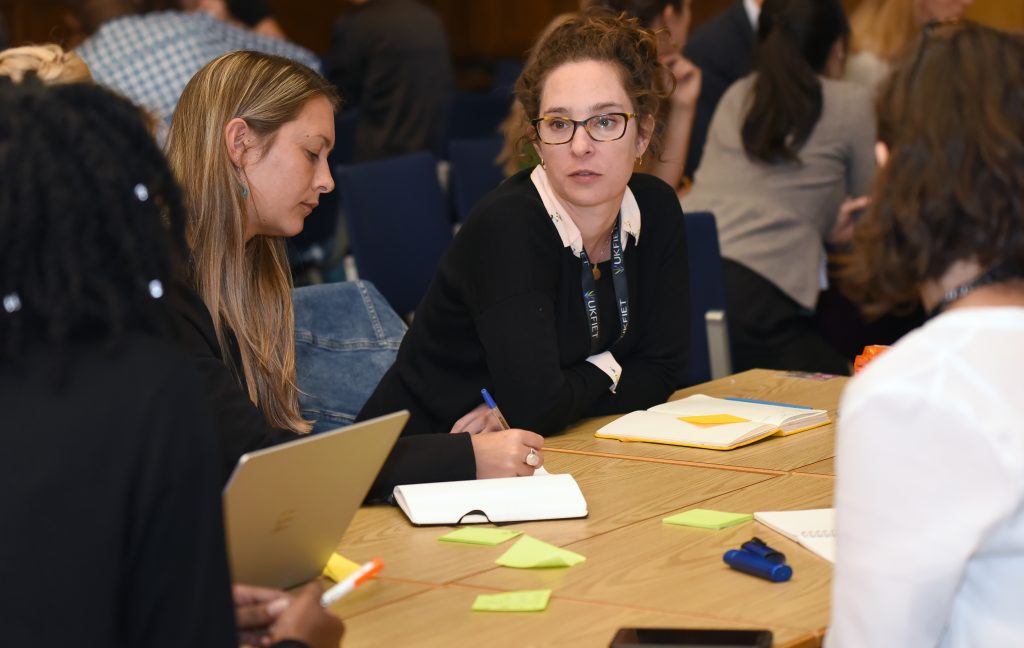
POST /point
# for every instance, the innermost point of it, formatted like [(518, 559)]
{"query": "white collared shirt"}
[(753, 12), (629, 228)]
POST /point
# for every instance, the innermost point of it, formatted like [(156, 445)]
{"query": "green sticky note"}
[(708, 519), (483, 536), (524, 601), (531, 553)]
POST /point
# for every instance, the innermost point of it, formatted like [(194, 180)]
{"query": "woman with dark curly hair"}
[(109, 453), (930, 495), (549, 297)]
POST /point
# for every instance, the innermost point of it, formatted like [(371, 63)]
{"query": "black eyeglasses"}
[(605, 127)]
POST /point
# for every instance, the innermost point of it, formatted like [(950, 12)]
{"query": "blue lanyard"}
[(618, 283)]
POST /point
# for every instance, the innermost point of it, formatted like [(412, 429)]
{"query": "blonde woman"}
[(249, 144), (50, 63), (884, 29)]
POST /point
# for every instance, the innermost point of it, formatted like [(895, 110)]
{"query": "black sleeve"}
[(177, 582), (250, 12), (423, 459), (514, 305), (343, 65), (655, 368), (241, 427)]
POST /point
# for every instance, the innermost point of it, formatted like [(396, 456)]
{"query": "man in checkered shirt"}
[(148, 54)]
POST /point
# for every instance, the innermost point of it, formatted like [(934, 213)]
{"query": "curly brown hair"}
[(600, 35), (952, 115)]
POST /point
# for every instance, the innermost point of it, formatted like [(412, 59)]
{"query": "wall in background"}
[(481, 31)]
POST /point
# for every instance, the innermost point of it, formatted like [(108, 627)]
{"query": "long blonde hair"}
[(245, 285), (50, 63), (885, 28)]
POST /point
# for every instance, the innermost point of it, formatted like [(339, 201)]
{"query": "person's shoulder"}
[(660, 211), (847, 101), (514, 202), (845, 90), (719, 36)]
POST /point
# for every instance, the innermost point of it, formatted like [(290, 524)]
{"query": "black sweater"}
[(110, 501), (505, 311), (241, 426)]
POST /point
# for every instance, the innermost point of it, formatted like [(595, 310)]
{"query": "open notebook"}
[(815, 529), (512, 499), (714, 423)]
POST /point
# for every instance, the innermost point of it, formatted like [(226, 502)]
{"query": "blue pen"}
[(494, 409), (764, 402)]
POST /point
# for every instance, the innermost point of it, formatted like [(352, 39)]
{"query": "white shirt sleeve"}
[(917, 494), (607, 363)]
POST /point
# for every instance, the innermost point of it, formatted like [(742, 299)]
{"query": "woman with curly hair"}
[(549, 297), (930, 452), (107, 438)]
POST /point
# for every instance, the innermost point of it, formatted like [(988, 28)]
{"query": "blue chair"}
[(474, 115), (398, 226), (474, 173), (709, 338), (506, 73)]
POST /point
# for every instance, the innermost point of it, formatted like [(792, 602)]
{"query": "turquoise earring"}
[(245, 192)]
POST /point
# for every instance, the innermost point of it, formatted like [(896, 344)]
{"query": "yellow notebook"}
[(714, 423)]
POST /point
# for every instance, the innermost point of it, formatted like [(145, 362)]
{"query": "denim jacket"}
[(346, 337)]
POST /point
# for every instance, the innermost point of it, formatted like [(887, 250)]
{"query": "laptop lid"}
[(286, 507)]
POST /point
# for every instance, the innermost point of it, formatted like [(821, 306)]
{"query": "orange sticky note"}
[(713, 419)]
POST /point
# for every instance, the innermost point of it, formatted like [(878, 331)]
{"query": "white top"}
[(930, 491), (753, 9)]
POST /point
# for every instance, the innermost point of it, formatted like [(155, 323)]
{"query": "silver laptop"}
[(286, 507)]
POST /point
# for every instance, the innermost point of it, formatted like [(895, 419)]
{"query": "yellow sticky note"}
[(524, 601), (339, 568), (713, 419), (481, 535), (531, 553), (708, 519)]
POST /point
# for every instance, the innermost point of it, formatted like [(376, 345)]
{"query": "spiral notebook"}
[(814, 529)]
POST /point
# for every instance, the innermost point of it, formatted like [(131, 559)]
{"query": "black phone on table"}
[(691, 638)]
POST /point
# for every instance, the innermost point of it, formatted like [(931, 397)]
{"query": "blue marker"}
[(494, 409), (759, 566)]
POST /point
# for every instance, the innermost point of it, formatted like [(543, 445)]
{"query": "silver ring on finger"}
[(532, 458)]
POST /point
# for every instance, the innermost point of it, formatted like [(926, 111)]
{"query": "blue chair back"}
[(474, 173), (474, 115), (398, 226), (707, 295)]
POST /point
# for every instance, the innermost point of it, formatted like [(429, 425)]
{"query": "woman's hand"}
[(480, 419), (505, 453), (307, 621), (842, 231), (256, 608), (688, 80)]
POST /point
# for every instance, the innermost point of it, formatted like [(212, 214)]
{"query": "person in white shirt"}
[(930, 490)]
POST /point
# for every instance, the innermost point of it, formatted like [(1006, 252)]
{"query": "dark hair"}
[(85, 207), (92, 14), (647, 11), (599, 35), (794, 38), (953, 188)]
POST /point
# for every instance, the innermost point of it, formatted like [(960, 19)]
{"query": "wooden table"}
[(639, 571)]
